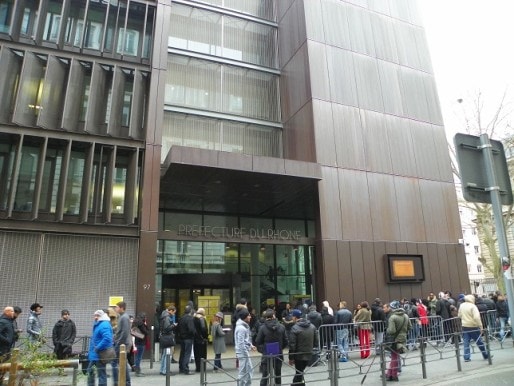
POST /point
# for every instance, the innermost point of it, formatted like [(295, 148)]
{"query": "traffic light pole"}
[(498, 220)]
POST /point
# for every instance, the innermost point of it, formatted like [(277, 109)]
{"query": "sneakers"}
[(392, 379), (468, 360), (343, 359)]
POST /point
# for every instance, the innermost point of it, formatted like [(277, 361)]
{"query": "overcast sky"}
[(471, 43)]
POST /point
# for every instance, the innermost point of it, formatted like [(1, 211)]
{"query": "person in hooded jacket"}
[(302, 340), (271, 331), (398, 326), (101, 339)]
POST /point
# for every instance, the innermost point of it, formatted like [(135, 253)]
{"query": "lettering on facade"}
[(237, 233)]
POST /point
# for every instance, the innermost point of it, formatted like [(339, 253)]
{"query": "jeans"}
[(100, 370), (186, 346), (412, 336), (473, 333), (164, 358), (139, 356), (217, 361), (276, 362), (299, 366), (114, 364), (342, 341), (244, 377), (503, 323)]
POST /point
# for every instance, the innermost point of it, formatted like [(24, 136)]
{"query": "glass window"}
[(147, 44), (220, 221), (75, 24), (52, 21), (74, 181), (7, 155), (182, 257), (6, 8), (30, 154), (172, 221), (128, 88), (86, 90), (96, 203), (94, 26), (29, 18), (256, 223), (51, 176)]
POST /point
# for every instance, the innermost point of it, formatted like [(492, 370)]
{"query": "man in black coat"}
[(6, 336), (63, 335), (186, 332), (271, 340), (303, 339)]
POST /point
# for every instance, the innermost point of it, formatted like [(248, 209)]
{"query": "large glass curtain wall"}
[(71, 181), (276, 272), (264, 9), (222, 73)]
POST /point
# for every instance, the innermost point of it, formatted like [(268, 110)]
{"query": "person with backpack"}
[(271, 340)]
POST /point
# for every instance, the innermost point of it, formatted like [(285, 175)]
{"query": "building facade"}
[(275, 150)]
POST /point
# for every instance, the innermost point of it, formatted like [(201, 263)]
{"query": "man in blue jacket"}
[(101, 339)]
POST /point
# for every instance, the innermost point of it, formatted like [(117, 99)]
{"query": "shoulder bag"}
[(107, 355)]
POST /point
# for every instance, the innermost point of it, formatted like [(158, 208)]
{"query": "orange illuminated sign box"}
[(404, 268)]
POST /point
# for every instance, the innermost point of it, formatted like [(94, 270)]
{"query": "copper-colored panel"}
[(268, 165), (357, 269), (329, 288), (146, 268), (344, 272), (426, 286), (324, 133), (298, 136), (348, 137), (383, 207), (434, 211), (444, 266), (376, 142), (235, 161), (434, 267), (355, 205), (329, 204), (371, 264), (410, 215)]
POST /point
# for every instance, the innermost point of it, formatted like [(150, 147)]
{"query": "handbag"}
[(166, 341), (135, 331), (107, 355)]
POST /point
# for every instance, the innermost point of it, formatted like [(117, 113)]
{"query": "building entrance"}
[(179, 289)]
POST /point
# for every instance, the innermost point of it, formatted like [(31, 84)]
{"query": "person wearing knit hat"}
[(243, 346), (218, 339), (101, 339)]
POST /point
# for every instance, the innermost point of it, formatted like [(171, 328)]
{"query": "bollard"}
[(203, 371), (152, 347), (457, 350), (167, 352), (488, 348), (422, 351), (14, 367), (383, 363), (122, 368), (334, 360)]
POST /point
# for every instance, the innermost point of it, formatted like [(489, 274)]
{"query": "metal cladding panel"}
[(78, 273)]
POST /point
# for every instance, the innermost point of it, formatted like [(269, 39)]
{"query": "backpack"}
[(454, 312)]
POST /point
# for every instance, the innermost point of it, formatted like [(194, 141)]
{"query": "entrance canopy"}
[(221, 182)]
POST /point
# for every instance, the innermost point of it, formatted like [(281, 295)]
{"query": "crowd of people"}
[(302, 329), (112, 328)]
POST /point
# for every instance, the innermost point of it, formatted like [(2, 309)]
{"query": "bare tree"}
[(499, 127)]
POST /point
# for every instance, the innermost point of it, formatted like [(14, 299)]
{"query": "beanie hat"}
[(297, 313), (394, 304)]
